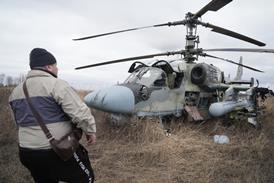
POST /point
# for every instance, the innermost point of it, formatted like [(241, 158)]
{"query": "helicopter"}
[(182, 87)]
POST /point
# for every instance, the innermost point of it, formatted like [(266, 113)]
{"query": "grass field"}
[(140, 152)]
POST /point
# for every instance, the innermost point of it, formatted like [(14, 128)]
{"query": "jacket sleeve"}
[(73, 106)]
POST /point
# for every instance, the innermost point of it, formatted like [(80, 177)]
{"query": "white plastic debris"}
[(221, 139), (252, 120)]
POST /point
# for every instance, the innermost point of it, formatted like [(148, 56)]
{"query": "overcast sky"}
[(52, 25)]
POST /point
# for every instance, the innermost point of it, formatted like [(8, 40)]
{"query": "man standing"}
[(60, 107)]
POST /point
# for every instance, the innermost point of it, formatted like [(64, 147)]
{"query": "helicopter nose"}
[(115, 99)]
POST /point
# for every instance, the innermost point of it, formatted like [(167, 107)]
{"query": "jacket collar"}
[(39, 73)]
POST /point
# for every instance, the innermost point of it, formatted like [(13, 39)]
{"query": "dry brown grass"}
[(139, 152), (82, 93), (10, 168)]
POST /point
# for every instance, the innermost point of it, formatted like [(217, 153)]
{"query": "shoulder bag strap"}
[(36, 114)]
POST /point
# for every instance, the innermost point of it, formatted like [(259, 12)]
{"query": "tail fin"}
[(239, 70)]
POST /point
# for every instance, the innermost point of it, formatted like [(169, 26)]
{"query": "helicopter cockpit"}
[(160, 74), (148, 76)]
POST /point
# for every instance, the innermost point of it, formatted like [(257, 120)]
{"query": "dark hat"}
[(40, 57)]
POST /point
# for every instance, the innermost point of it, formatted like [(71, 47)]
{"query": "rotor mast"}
[(192, 40)]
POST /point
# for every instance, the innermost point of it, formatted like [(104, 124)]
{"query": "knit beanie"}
[(40, 57)]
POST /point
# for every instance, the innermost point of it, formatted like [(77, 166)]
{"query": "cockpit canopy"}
[(148, 76), (159, 74)]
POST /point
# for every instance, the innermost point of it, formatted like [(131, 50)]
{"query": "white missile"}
[(220, 108)]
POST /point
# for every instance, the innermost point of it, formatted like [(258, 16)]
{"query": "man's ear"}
[(48, 67)]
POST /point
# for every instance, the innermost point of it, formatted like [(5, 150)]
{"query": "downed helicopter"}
[(181, 87)]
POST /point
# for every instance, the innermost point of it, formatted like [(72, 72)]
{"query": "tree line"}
[(6, 80)]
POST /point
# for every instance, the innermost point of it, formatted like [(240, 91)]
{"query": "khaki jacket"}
[(57, 103)]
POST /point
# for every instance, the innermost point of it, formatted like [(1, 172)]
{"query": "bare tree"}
[(9, 81), (2, 78)]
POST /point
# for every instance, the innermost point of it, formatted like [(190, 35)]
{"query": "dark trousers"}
[(46, 167)]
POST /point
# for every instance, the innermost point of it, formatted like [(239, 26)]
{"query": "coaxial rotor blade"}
[(133, 58), (214, 5), (230, 61), (242, 50), (133, 29), (232, 34)]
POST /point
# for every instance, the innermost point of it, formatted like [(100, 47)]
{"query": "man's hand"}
[(91, 139)]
